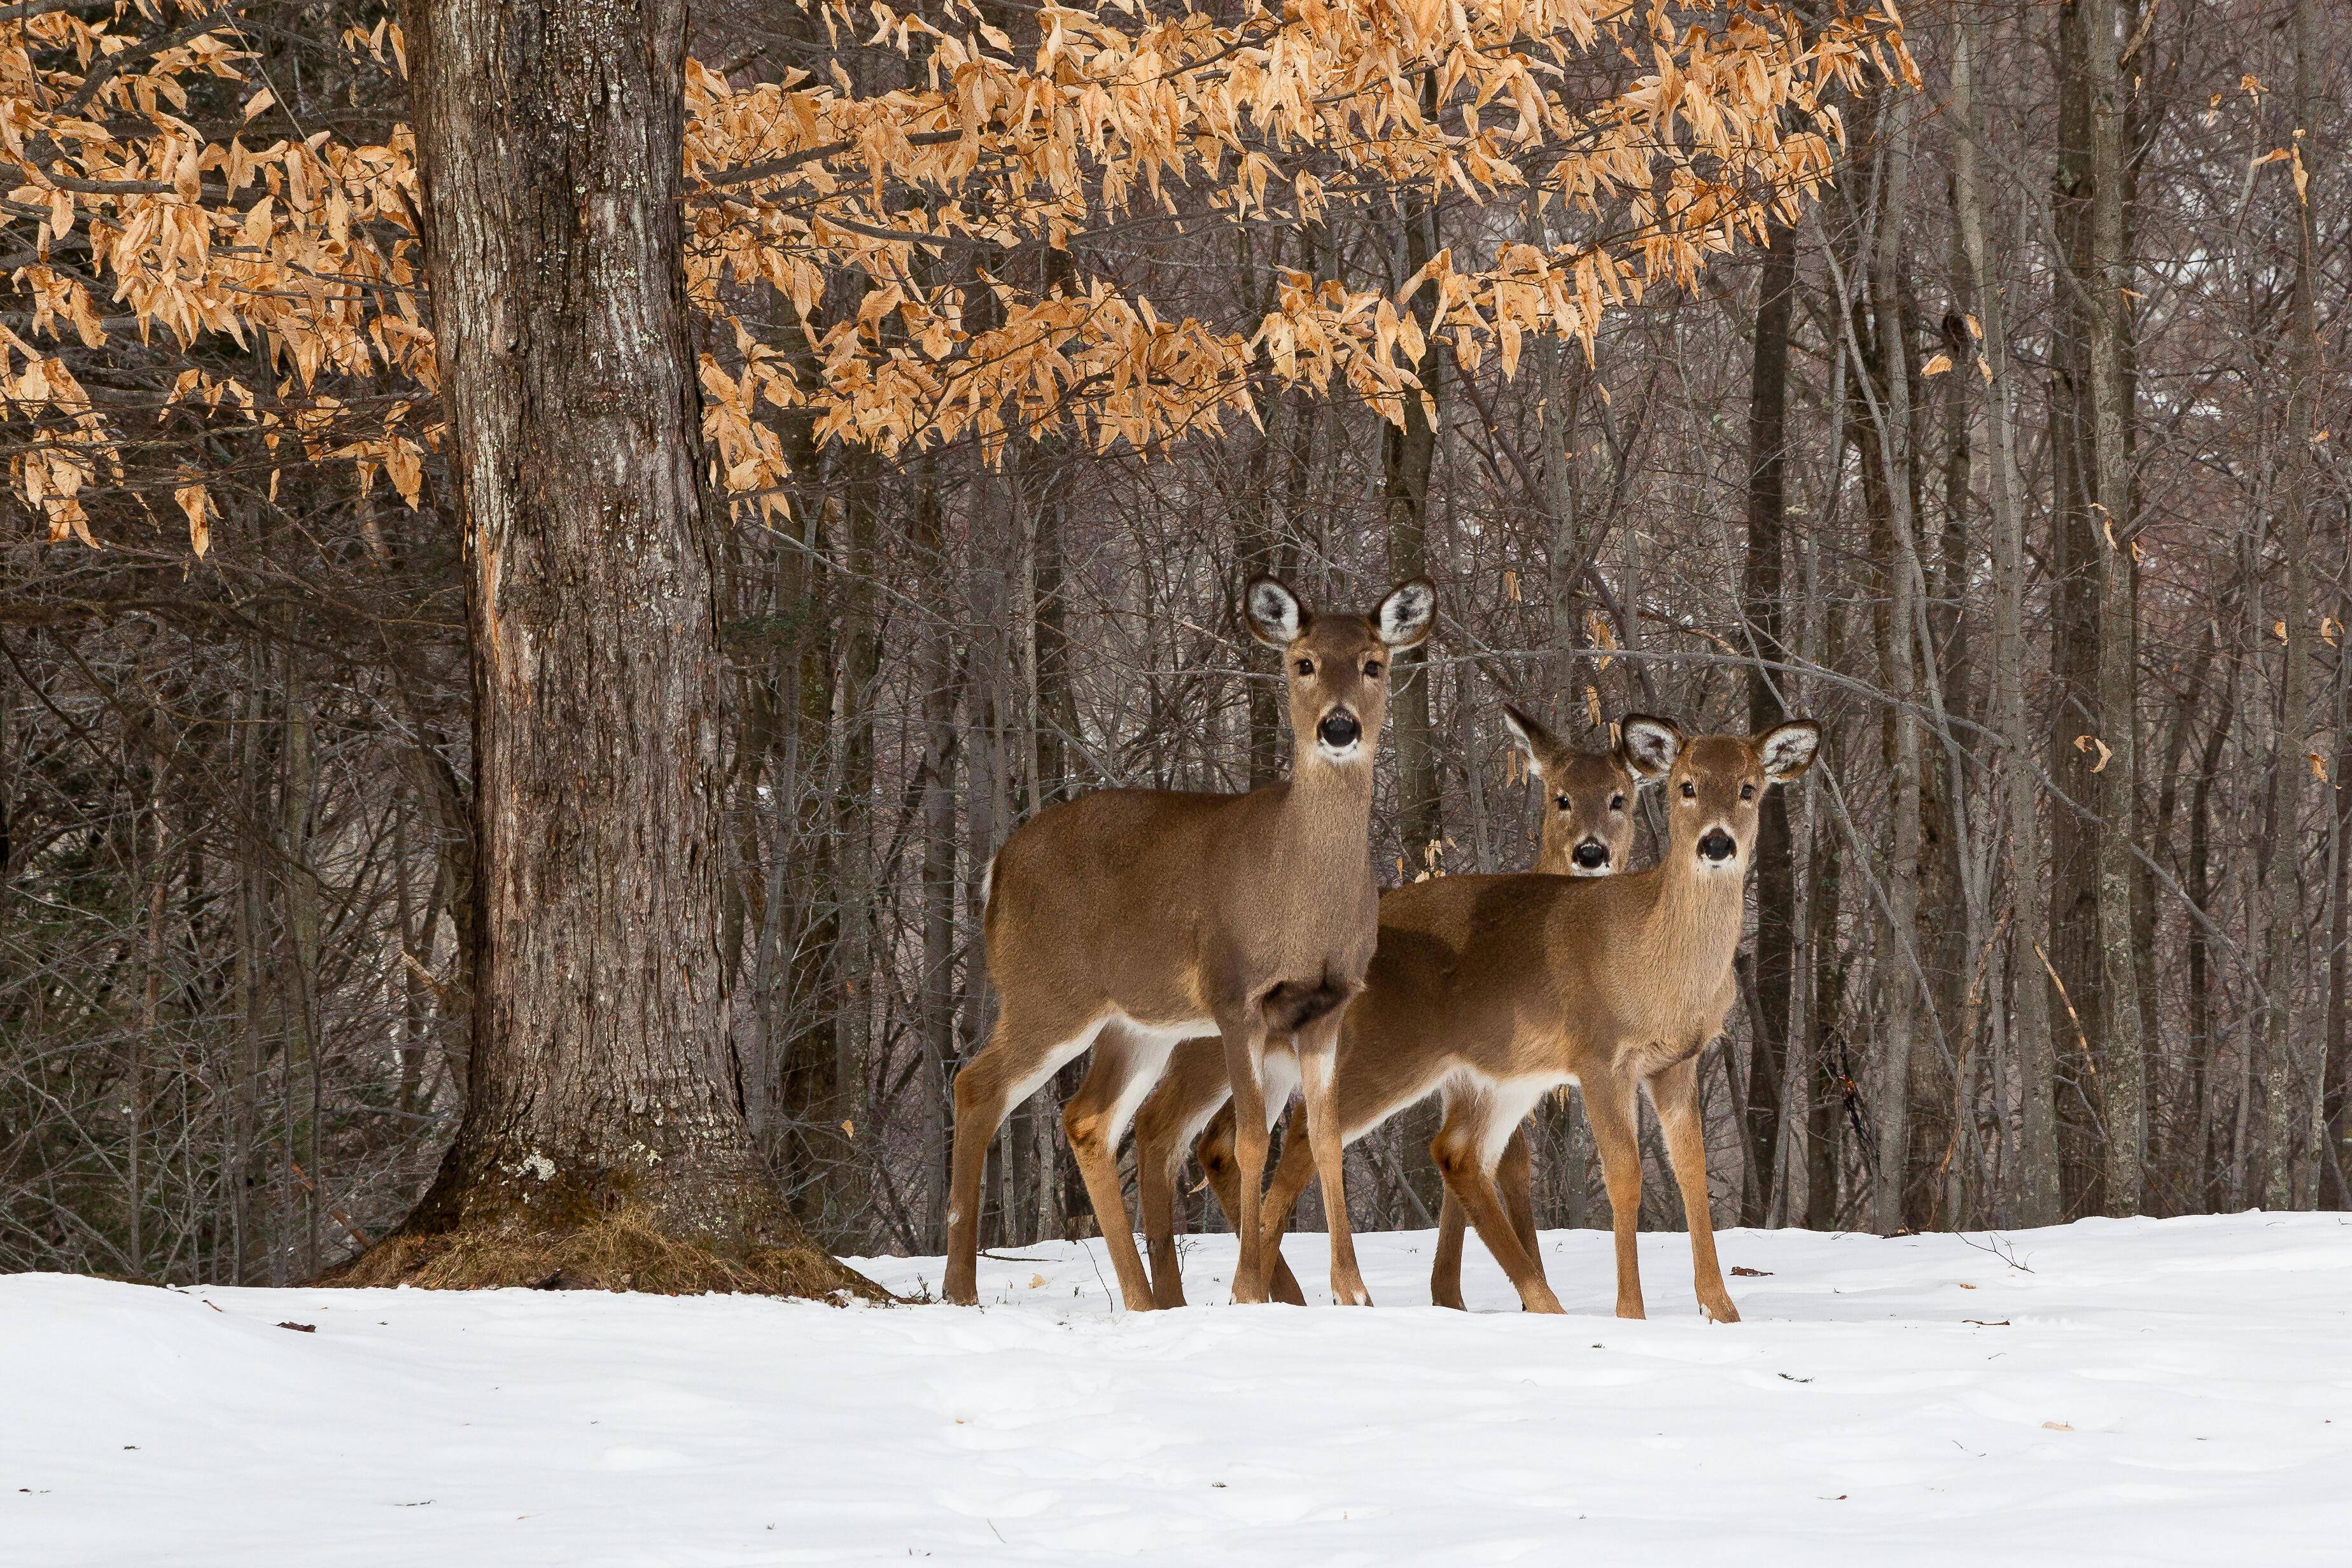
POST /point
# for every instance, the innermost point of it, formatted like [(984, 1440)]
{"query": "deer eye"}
[(1563, 802), (1616, 802), (1305, 667), (1690, 790), (1747, 791), (1373, 670)]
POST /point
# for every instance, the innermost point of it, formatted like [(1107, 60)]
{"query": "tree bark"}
[(604, 1093), (2121, 1056), (2033, 1195), (1882, 382), (2282, 855), (935, 675), (1408, 456), (2076, 573), (1763, 604)]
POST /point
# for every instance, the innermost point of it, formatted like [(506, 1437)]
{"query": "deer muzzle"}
[(1589, 857), (1339, 730), (1718, 847)]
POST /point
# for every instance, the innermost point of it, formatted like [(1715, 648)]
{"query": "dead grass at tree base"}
[(620, 1251)]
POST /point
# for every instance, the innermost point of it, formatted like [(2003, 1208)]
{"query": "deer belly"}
[(1657, 1055)]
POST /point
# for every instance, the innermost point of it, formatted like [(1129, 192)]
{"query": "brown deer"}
[(1131, 919), (1588, 831), (1497, 989)]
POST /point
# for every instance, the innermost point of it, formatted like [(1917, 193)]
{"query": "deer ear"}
[(1787, 750), (1405, 617), (1649, 746), (1533, 739), (1273, 612)]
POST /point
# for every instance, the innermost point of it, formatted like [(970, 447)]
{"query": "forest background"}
[(1980, 408)]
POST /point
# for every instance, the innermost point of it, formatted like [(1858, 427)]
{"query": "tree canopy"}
[(853, 248)]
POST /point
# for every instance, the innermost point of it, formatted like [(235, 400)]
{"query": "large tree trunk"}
[(604, 1140)]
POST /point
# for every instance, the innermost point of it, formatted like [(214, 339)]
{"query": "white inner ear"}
[(1275, 611), (1789, 750), (1651, 748), (1527, 744), (1405, 614)]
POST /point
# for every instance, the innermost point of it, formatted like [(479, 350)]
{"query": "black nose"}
[(1338, 729), (1591, 856), (1717, 845)]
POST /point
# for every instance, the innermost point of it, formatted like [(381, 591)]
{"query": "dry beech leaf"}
[(200, 532), (312, 249), (2056, 1427), (1937, 365)]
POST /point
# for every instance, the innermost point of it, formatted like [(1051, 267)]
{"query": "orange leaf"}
[(200, 532)]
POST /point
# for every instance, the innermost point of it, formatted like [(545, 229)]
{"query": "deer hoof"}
[(1721, 1311)]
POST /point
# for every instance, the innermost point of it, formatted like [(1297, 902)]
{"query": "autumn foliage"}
[(149, 205)]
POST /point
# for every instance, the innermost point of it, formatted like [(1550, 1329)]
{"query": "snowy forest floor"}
[(2111, 1392)]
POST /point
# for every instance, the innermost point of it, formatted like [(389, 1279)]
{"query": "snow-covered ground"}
[(2139, 1391)]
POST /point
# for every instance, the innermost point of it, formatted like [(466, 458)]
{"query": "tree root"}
[(622, 1250)]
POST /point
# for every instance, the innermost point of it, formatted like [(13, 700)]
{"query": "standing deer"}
[(1496, 990), (1131, 919), (1588, 831)]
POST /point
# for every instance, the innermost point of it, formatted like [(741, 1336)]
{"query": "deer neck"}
[(1326, 821), (1692, 929)]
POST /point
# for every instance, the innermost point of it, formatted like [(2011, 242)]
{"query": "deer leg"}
[(1291, 1176), (1159, 1153), (1609, 1110), (1461, 1150), (1319, 1051), (1021, 1054), (1515, 1177), (1445, 1268), (1674, 1091), (1123, 1071), (1217, 1164), (1244, 1051)]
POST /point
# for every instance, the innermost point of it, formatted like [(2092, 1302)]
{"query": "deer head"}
[(1588, 820), (1716, 784), (1337, 666)]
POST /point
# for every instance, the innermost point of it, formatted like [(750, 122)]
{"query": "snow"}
[(2129, 1391)]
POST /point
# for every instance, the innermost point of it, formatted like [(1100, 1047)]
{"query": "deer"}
[(1497, 990), (1586, 831), (1127, 920)]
